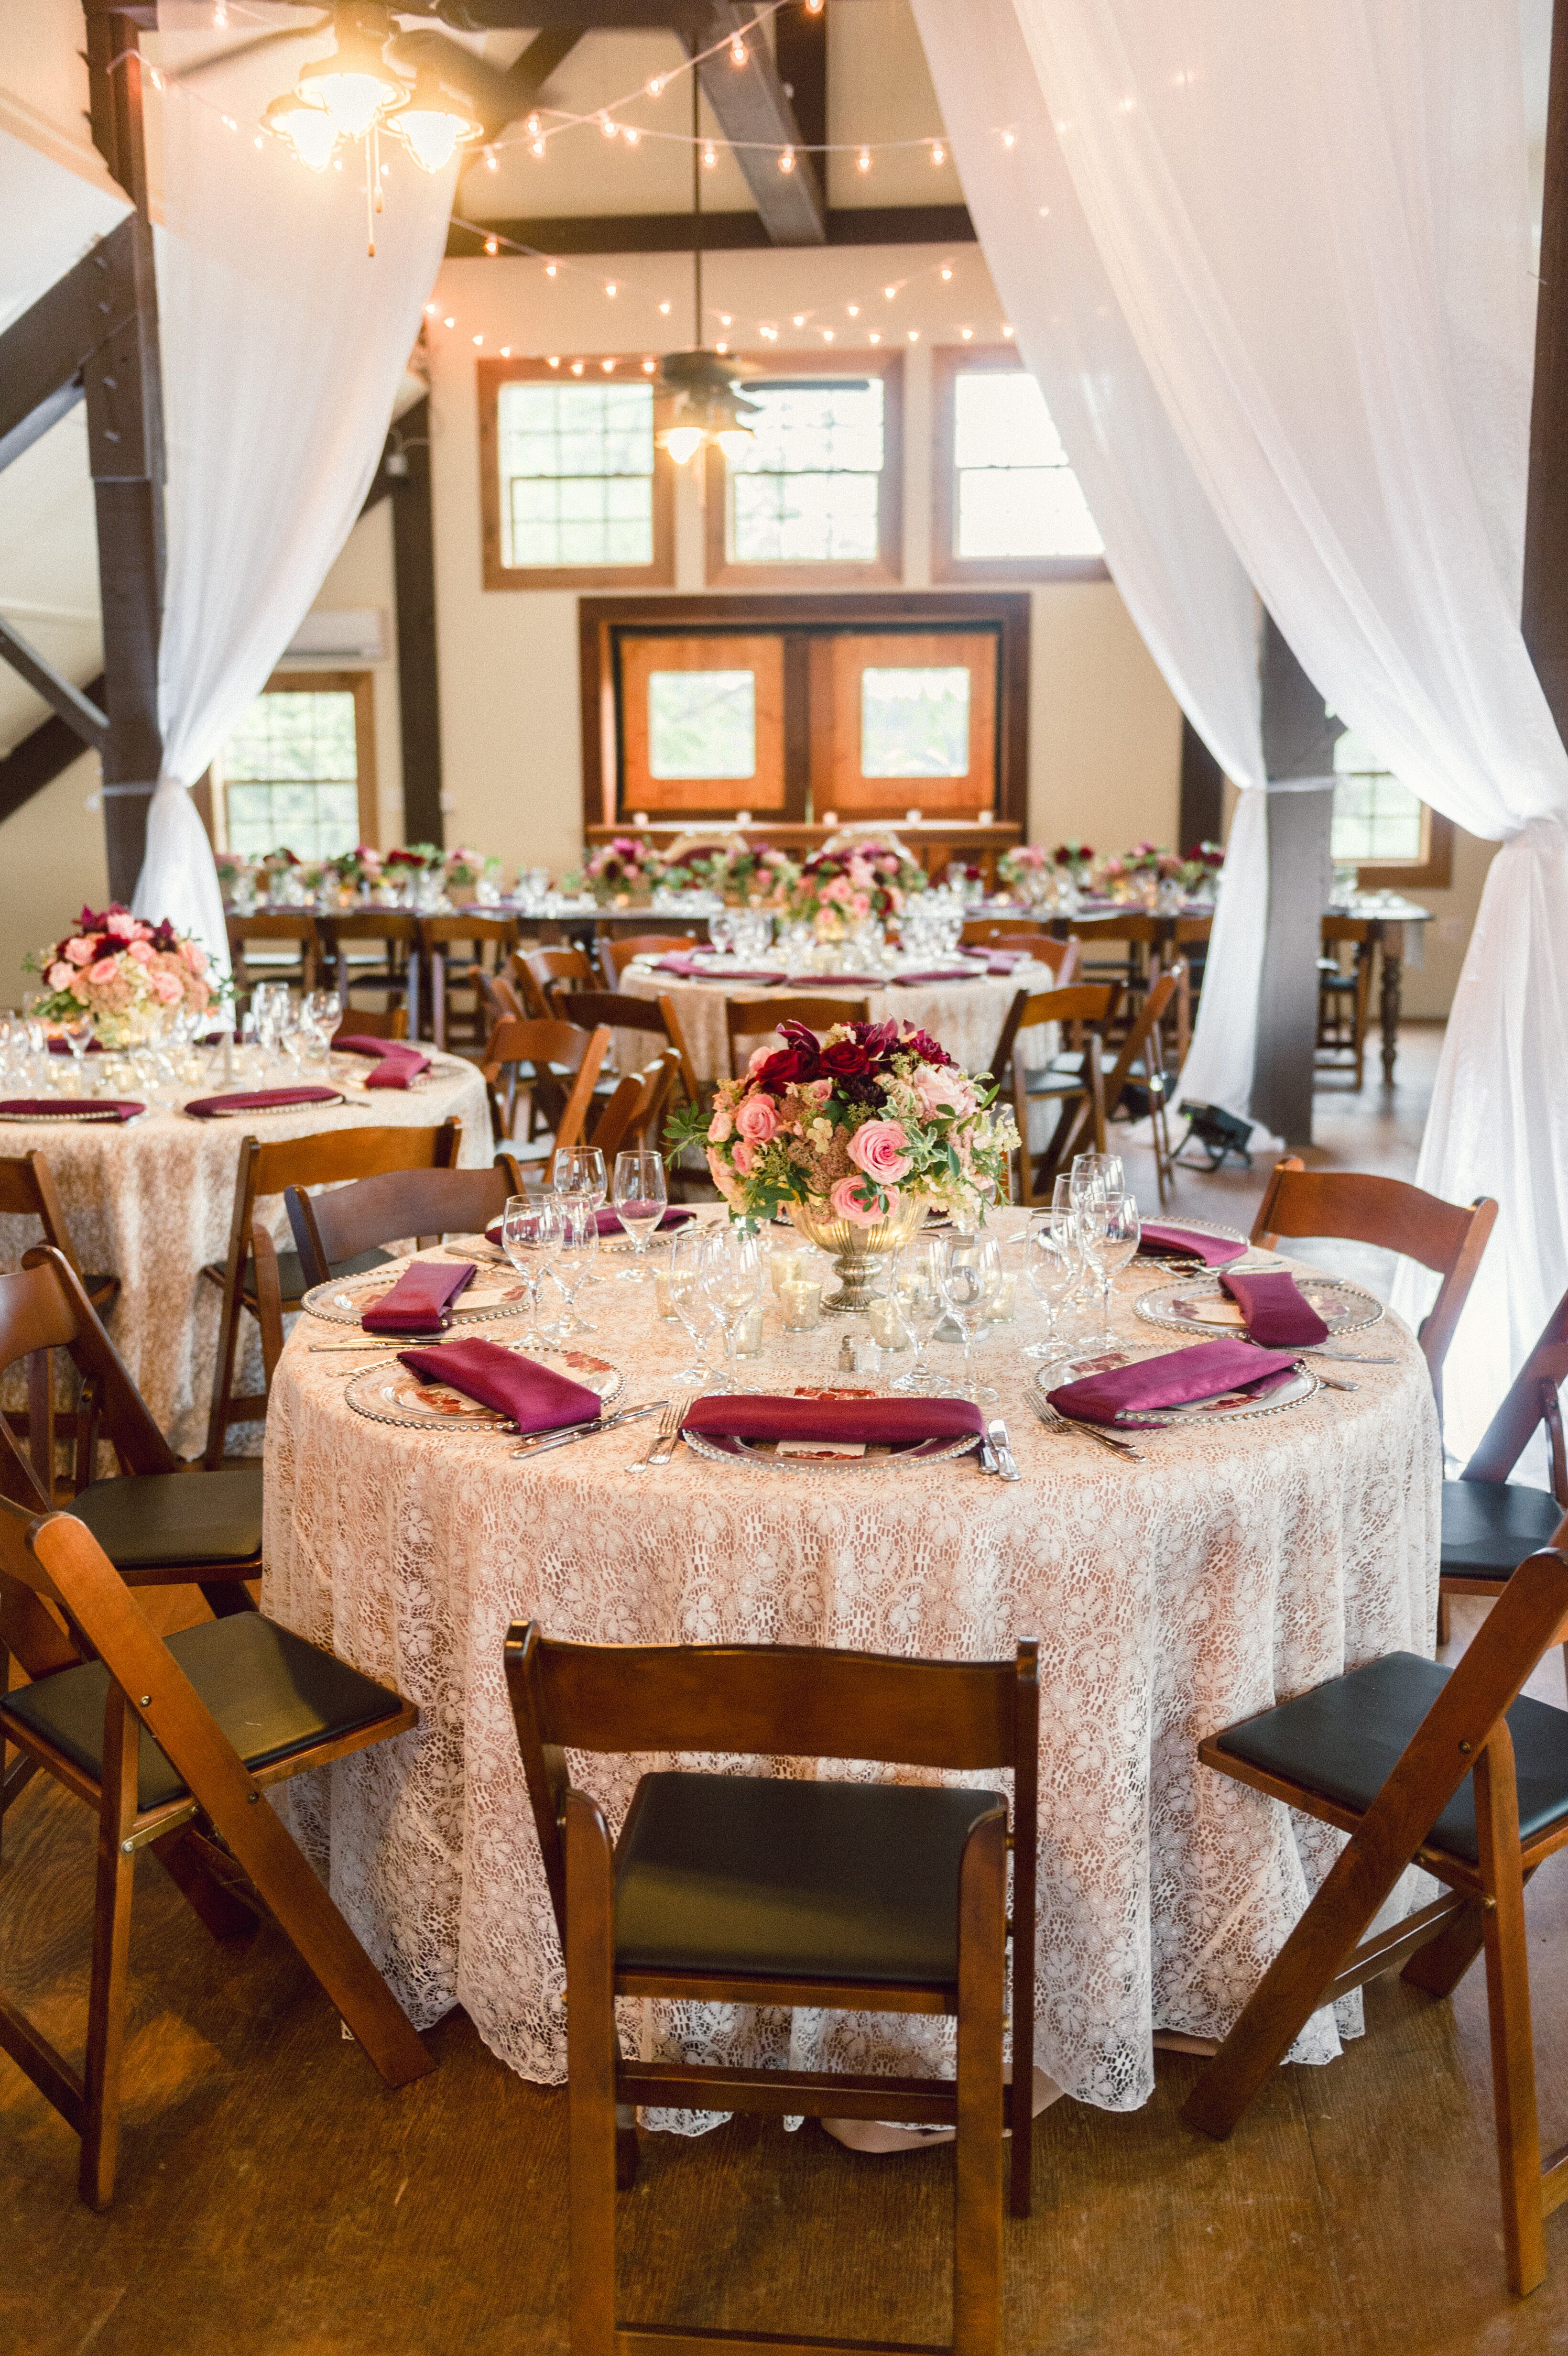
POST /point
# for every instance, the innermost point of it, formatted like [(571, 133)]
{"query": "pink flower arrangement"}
[(852, 1125), (838, 891), (124, 972)]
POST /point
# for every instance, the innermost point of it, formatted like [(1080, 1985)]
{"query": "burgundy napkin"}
[(70, 1107), (534, 1397), (1175, 1380), (999, 960), (1161, 1242), (937, 973), (892, 1423), (767, 974), (421, 1300), (678, 962), (396, 1065), (835, 980), (62, 1047), (260, 1100), (1275, 1309)]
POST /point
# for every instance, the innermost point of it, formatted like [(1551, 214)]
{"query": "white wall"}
[(362, 576)]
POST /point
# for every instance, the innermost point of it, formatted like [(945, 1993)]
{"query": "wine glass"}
[(321, 1014), (76, 1029), (1094, 1174), (1111, 1231), (735, 1272), (574, 1262), (969, 1277), (1051, 1262), (639, 1196), (691, 1305), (295, 1035), (917, 1289), (577, 1175), (530, 1238)]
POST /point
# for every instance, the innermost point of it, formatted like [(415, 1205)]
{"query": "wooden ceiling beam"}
[(498, 97), (41, 756), (66, 700), (731, 232), (42, 354), (756, 117)]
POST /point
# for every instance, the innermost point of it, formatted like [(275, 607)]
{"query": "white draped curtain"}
[(282, 347)]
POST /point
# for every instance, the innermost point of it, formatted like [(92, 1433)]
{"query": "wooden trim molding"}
[(805, 623), (1433, 872), (361, 686), (491, 375), (948, 362), (887, 569)]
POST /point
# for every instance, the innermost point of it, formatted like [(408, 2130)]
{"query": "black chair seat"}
[(1488, 1526), (272, 1695), (290, 1275), (759, 1875), (1343, 1739), (147, 1519)]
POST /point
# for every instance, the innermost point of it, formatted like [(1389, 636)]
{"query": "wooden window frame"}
[(948, 363), (361, 685), (492, 374), (827, 573), (601, 620), (1433, 872)]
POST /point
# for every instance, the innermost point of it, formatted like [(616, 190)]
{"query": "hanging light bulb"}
[(434, 122), (736, 51), (786, 160), (683, 442), (656, 87), (354, 83), (938, 152), (709, 157), (864, 159), (532, 126), (306, 128)]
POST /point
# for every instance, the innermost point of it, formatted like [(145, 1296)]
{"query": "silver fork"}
[(663, 1448), (1055, 1423)]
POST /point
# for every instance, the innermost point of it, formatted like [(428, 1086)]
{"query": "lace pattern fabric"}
[(1236, 1566)]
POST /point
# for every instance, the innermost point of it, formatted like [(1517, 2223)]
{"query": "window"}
[(703, 723), (816, 493), (1008, 505), (574, 491), (300, 767), (914, 721), (1380, 828)]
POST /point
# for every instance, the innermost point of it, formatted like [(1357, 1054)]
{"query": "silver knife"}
[(586, 1431), (1007, 1463)]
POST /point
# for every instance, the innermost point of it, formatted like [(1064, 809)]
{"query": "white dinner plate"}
[(394, 1394), (1199, 1304)]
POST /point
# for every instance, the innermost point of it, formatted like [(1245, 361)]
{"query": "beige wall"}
[(53, 863), (363, 576)]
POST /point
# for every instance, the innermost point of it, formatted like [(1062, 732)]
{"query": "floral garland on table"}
[(1074, 859), (1024, 863), (126, 974), (617, 871), (752, 873), (838, 891), (851, 1126), (467, 868)]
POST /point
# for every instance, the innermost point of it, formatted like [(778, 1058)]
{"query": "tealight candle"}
[(801, 1304), (784, 1267), (662, 1302), (888, 1329), (748, 1334), (1007, 1301)]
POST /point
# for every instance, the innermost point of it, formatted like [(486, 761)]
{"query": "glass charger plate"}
[(271, 1112), (1293, 1389), (343, 1300), (727, 1449), (1221, 1235), (392, 1394), (1200, 1304), (75, 1119)]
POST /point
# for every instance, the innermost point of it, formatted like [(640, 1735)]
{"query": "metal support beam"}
[(753, 110), (66, 702), (1544, 614)]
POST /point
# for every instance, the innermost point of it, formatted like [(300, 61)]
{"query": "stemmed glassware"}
[(1110, 1231), (574, 1262), (734, 1275), (639, 1195), (969, 1275), (76, 1029), (577, 1175), (321, 1014), (691, 1304), (1051, 1262), (917, 1290), (530, 1238)]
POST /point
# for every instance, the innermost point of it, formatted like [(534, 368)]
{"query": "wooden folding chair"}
[(373, 1023), (267, 927), (1344, 996), (1074, 1082), (1490, 1523), (228, 1707), (330, 1157), (521, 1052), (538, 971), (1061, 956), (656, 1018), (769, 1891), (1456, 1770), (338, 1226), (754, 1018), (1140, 1060), (615, 956), (1445, 1237), (635, 1115), (395, 971), (439, 938), (28, 1191)]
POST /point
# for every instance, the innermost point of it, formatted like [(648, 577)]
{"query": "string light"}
[(612, 289), (648, 367), (709, 157), (449, 323), (853, 309), (914, 333), (720, 347), (491, 162), (875, 337), (946, 273), (492, 245), (1007, 330), (864, 159), (577, 367), (786, 160), (539, 149), (769, 335), (814, 7), (890, 292), (532, 126), (938, 152), (505, 351), (967, 334), (656, 87), (553, 361), (800, 318), (726, 318), (549, 270), (826, 335), (736, 51), (631, 135), (478, 340), (606, 127), (608, 366), (663, 310), (1009, 138)]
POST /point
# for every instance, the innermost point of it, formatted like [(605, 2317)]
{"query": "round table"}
[(965, 1014), (1170, 1596), (152, 1201)]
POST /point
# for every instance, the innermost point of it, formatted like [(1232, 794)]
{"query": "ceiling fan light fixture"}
[(354, 83), (434, 122), (304, 127)]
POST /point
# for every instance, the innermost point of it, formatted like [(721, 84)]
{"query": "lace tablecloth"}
[(153, 1201), (1169, 1598)]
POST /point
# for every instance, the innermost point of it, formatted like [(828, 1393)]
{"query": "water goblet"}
[(917, 1290), (639, 1195), (734, 1277), (530, 1238), (691, 1305), (76, 1029), (577, 1175), (1051, 1262), (1095, 1174), (574, 1262), (1111, 1231), (969, 1276)]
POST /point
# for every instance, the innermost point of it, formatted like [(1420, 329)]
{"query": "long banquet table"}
[(152, 1201), (1171, 1597)]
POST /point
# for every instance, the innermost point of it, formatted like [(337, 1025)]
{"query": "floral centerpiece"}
[(836, 892), (466, 869), (1073, 859), (618, 871), (1201, 868), (743, 874), (360, 865), (1023, 869), (857, 1137), (128, 975)]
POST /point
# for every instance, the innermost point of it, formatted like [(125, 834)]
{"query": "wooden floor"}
[(275, 2199)]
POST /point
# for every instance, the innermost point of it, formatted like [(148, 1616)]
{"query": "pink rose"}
[(720, 1126), (62, 976), (942, 1091), (141, 952), (166, 988), (196, 957), (742, 1155), (122, 926), (80, 952), (725, 1183), (102, 974), (880, 1149), (757, 1119), (845, 1204)]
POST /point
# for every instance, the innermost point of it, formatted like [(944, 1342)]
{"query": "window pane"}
[(915, 723), (807, 428), (1001, 419), (290, 774), (805, 491), (1377, 820), (703, 723), (1024, 511), (294, 735), (571, 456)]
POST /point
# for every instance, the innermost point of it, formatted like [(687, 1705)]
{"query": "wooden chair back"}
[(53, 1561), (44, 1308), (1142, 1049), (330, 1157), (754, 1018), (1446, 1237), (28, 1191), (1330, 1952), (1082, 1010), (1062, 957), (1341, 1027), (274, 924), (538, 971), (635, 1115), (441, 938), (398, 972), (373, 1023), (496, 997), (423, 1204), (656, 1018), (1532, 1399), (615, 956), (518, 1049), (1082, 1007)]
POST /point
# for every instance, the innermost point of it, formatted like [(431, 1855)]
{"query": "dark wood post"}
[(1299, 743), (1544, 614), (419, 685), (125, 444), (1201, 810)]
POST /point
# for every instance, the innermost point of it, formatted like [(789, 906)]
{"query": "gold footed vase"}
[(858, 1251)]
